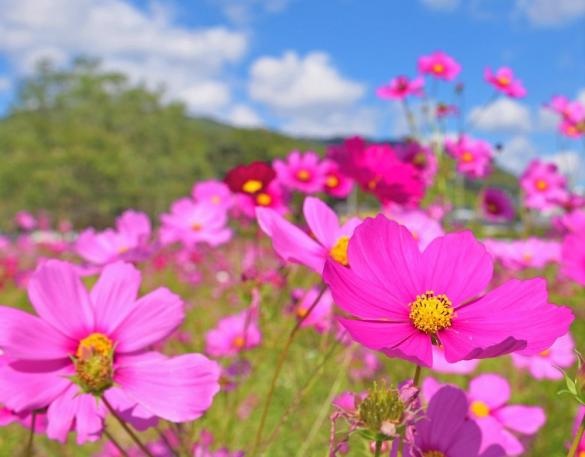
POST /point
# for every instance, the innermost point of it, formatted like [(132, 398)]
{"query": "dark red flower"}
[(250, 179)]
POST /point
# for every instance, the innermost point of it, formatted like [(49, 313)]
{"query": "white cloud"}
[(5, 84), (547, 120), (551, 13), (569, 163), (581, 96), (441, 5), (310, 95), (244, 116), (206, 97), (243, 11), (503, 115), (145, 44), (515, 154)]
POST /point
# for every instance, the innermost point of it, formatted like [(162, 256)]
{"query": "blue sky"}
[(311, 67)]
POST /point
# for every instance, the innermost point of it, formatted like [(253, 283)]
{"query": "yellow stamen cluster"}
[(303, 175), (431, 313), (433, 454), (480, 409), (263, 199), (504, 81), (438, 68), (339, 251), (238, 342), (252, 186), (332, 181), (545, 353), (467, 157), (94, 364), (541, 184), (196, 227)]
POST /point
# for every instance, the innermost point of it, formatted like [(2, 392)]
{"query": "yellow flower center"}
[(420, 159), (438, 68), (504, 81), (492, 208), (541, 184), (581, 454), (303, 175), (479, 409), (94, 364), (252, 186), (263, 199), (467, 157), (431, 313), (216, 199), (238, 342), (196, 227), (545, 353), (301, 312), (332, 181), (433, 454), (123, 249), (339, 251)]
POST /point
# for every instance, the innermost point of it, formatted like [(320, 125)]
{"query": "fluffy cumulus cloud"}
[(516, 153), (441, 5), (569, 163), (581, 96), (244, 11), (310, 95), (146, 44), (243, 116), (551, 13), (503, 115)]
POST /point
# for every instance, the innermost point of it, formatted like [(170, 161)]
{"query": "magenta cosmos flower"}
[(84, 345), (497, 205), (213, 192), (487, 397), (503, 80), (128, 241), (234, 334), (439, 65), (573, 257), (543, 186), (544, 365), (401, 87), (293, 245), (190, 223), (474, 157), (446, 431), (420, 157), (336, 183), (401, 301), (302, 172)]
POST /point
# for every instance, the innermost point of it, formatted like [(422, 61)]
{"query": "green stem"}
[(577, 438), (278, 369), (378, 451), (126, 428), (416, 378), (31, 436)]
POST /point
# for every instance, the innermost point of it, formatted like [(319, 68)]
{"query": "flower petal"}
[(60, 298), (522, 419), (153, 317), (114, 294), (491, 389), (177, 389), (322, 221)]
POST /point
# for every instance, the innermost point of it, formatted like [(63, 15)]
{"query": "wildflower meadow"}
[(357, 297)]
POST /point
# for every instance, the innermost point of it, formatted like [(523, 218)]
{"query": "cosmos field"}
[(375, 299)]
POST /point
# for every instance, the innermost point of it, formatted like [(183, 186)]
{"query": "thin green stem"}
[(278, 369), (577, 438), (417, 373), (378, 451), (115, 442), (126, 428), (31, 436)]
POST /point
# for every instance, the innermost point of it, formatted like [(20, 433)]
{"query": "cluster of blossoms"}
[(409, 283)]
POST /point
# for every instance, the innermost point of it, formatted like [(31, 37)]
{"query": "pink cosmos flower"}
[(573, 221), (336, 183), (439, 65), (302, 172), (401, 87), (532, 252), (190, 223), (129, 241), (505, 82), (294, 245), (420, 157), (445, 430), (320, 317), (543, 186), (273, 197), (488, 396), (84, 345), (364, 364), (443, 110), (572, 116), (402, 300), (214, 192), (25, 221), (422, 227), (235, 333), (544, 365), (474, 157), (497, 205), (573, 257)]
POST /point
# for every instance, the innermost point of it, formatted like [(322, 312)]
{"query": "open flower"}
[(86, 345), (214, 192), (543, 186), (505, 82), (129, 241), (544, 365), (250, 179), (336, 183), (474, 157), (302, 172), (439, 65), (294, 245), (401, 301), (497, 205), (401, 87), (487, 397)]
